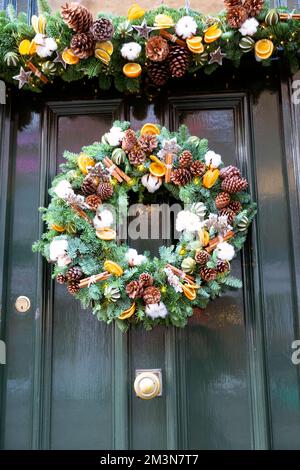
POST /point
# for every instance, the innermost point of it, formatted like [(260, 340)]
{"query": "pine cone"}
[(102, 29), (179, 58), (230, 214), (232, 3), (82, 45), (137, 156), (157, 49), (181, 176), (235, 206), (134, 289), (148, 143), (75, 273), (129, 140), (222, 200), (202, 257), (89, 185), (254, 7), (77, 17), (73, 287), (158, 73), (146, 280), (208, 274), (223, 267), (151, 295), (105, 191), (236, 16), (229, 172), (93, 201), (197, 168), (185, 159), (234, 185), (61, 278)]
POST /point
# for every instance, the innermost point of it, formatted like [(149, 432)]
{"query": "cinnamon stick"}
[(81, 212), (289, 16), (215, 241), (172, 38), (92, 279), (180, 273), (37, 72), (169, 164), (114, 173), (119, 171)]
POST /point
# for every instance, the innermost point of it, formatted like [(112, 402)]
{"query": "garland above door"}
[(146, 47)]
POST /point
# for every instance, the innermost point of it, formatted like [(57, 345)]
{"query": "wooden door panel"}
[(81, 370)]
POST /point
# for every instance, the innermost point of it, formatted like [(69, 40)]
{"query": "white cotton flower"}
[(151, 183), (188, 221), (212, 158), (186, 27), (156, 310), (63, 261), (45, 46), (58, 248), (131, 51), (225, 251), (133, 258), (103, 219), (249, 27), (114, 136), (63, 189)]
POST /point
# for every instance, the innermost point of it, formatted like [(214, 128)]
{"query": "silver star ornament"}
[(22, 78), (217, 57)]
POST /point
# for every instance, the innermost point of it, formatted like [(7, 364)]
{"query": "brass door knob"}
[(147, 385), (22, 304)]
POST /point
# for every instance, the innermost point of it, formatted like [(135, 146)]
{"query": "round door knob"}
[(147, 385)]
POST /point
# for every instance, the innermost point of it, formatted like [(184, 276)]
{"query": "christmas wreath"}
[(158, 44), (117, 282)]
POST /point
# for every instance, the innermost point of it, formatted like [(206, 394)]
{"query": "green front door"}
[(228, 379)]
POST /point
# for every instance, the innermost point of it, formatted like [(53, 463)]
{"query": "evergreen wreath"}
[(146, 47), (109, 277)]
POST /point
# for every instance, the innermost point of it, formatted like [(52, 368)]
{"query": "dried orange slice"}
[(102, 55), (135, 12), (163, 21), (195, 45), (150, 128), (106, 234), (210, 178), (106, 46), (113, 268), (132, 70), (32, 48), (264, 49), (84, 161), (69, 57), (38, 23), (127, 313), (58, 228), (204, 237), (157, 168), (24, 47), (189, 292), (212, 34)]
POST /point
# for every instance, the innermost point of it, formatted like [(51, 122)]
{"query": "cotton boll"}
[(58, 248), (186, 27), (156, 310), (133, 258), (188, 221), (131, 51), (151, 183), (63, 261), (225, 251), (114, 136), (45, 46), (103, 219), (249, 27), (63, 189), (213, 159)]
